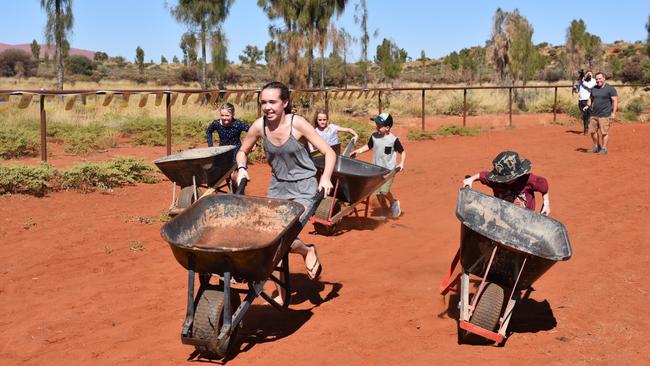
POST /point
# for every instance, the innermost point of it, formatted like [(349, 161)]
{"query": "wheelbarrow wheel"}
[(488, 308), (186, 197), (323, 213), (323, 229), (208, 318)]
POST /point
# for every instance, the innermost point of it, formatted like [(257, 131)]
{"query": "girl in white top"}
[(329, 131)]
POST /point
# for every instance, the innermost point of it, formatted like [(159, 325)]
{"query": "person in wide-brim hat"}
[(511, 180)]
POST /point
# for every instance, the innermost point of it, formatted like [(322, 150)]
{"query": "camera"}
[(581, 74)]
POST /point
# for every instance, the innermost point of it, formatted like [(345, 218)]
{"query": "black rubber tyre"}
[(326, 230), (323, 213), (186, 198), (323, 210), (488, 308), (208, 318)]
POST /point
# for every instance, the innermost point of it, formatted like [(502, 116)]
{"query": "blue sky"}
[(117, 27)]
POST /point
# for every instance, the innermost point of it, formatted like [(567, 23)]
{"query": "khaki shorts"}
[(385, 188), (599, 124)]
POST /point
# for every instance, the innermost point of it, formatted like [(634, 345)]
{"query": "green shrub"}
[(635, 106), (456, 105), (456, 130), (574, 112), (107, 175), (151, 138), (630, 116), (417, 135), (546, 105), (17, 141), (26, 179), (363, 129)]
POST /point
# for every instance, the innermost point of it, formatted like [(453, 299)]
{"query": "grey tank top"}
[(291, 160)]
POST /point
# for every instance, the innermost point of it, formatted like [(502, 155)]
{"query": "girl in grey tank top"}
[(293, 171)]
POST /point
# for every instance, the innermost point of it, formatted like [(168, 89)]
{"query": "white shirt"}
[(584, 90)]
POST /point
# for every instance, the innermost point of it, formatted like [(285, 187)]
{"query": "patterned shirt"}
[(228, 135)]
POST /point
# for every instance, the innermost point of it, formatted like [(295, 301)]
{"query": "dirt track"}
[(72, 292)]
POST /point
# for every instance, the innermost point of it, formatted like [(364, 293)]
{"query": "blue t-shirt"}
[(228, 135)]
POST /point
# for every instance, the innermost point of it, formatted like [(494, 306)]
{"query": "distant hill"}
[(45, 49)]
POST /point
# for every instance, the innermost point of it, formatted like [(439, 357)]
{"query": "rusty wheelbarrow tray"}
[(206, 167), (354, 182), (508, 248), (238, 238)]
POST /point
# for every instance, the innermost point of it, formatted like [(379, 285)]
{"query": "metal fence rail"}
[(327, 92)]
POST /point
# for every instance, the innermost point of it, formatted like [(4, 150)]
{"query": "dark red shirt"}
[(521, 192)]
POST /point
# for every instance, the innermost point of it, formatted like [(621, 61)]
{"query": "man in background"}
[(604, 102)]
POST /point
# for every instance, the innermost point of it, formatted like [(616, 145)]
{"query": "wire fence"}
[(47, 98)]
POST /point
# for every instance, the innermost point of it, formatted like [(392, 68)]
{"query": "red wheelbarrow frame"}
[(460, 284), (349, 208)]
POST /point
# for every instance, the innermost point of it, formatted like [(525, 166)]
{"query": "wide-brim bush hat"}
[(384, 119), (508, 166)]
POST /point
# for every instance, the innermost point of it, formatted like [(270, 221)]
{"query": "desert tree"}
[(647, 42), (250, 55), (390, 59), (100, 56), (175, 60), (219, 51), (316, 24), (581, 45), (203, 17), (525, 59), (188, 47), (139, 58), (163, 60), (499, 44), (341, 42), (361, 19), (36, 50), (58, 27), (284, 53)]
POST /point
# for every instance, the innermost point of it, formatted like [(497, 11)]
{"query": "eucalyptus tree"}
[(219, 50), (58, 27), (188, 47), (288, 41), (203, 17), (361, 18), (341, 42)]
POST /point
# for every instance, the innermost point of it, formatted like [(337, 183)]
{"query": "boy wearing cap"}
[(385, 147), (512, 181)]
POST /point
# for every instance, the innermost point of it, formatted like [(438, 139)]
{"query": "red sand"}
[(72, 292)]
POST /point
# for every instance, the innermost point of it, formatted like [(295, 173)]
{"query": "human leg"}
[(593, 131), (395, 208)]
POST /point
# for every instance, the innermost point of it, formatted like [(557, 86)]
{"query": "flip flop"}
[(316, 269)]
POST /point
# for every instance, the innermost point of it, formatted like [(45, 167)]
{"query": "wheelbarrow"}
[(232, 237), (190, 169), (354, 182), (508, 248)]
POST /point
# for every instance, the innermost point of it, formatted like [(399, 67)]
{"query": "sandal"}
[(316, 269)]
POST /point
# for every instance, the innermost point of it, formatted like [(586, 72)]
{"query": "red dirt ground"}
[(72, 292)]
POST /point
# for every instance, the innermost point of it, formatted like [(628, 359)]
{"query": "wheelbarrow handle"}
[(312, 209), (242, 186), (348, 149)]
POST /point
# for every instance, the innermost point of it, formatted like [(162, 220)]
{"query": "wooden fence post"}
[(327, 102), (422, 109), (43, 130), (510, 107), (379, 102), (555, 106), (464, 107), (168, 111)]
